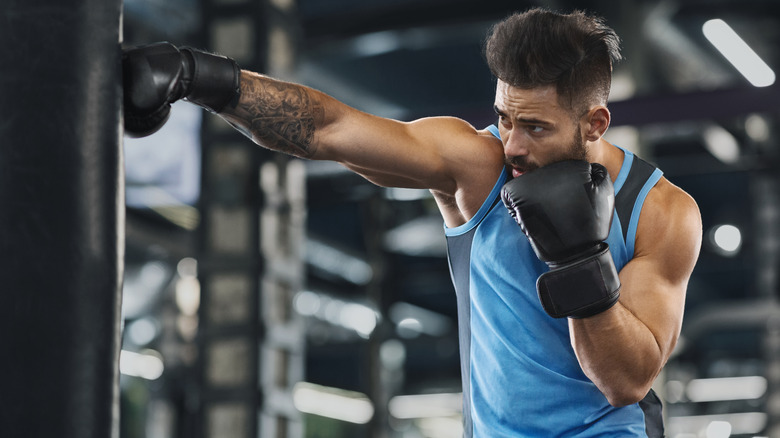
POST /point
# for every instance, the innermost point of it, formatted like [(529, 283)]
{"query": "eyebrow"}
[(524, 120)]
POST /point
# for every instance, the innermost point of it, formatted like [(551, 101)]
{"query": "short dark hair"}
[(574, 52)]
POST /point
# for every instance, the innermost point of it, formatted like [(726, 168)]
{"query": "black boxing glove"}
[(566, 211), (156, 75)]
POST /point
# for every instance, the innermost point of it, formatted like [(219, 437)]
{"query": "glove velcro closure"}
[(582, 288), (215, 81)]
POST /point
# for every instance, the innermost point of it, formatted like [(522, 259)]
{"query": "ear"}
[(596, 122)]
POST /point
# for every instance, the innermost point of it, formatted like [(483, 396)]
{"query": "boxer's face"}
[(535, 129)]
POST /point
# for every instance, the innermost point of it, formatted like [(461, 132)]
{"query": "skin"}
[(621, 350)]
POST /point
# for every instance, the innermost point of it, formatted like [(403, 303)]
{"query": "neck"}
[(606, 154)]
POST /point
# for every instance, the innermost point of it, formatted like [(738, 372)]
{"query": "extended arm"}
[(623, 349), (297, 120), (307, 123)]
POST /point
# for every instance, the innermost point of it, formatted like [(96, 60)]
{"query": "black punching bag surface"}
[(61, 218)]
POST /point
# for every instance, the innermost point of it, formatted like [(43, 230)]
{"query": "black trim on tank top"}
[(625, 199)]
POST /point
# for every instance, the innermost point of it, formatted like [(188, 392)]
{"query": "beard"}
[(576, 151)]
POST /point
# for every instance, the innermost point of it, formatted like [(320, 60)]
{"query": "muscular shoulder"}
[(466, 155), (669, 227), (457, 131), (473, 158)]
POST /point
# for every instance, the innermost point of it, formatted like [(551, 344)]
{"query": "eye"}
[(535, 129)]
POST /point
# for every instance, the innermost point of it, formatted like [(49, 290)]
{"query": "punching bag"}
[(61, 218)]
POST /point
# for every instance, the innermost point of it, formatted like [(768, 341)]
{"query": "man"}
[(554, 342)]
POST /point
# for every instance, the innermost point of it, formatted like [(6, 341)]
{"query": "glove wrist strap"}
[(581, 288), (215, 81)]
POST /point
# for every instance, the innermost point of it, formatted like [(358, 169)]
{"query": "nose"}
[(514, 144)]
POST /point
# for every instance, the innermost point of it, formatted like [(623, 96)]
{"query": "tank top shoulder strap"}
[(632, 185), (494, 130)]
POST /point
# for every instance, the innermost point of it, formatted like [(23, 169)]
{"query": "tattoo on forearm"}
[(282, 116)]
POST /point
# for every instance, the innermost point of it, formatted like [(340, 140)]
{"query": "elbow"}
[(626, 395), (627, 388), (624, 398)]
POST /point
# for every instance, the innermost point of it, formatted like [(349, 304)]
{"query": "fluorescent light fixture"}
[(757, 128), (426, 405), (721, 144), (147, 365), (440, 427), (719, 429), (745, 423), (338, 262), (350, 315), (738, 53), (358, 317), (413, 320), (728, 388), (338, 404)]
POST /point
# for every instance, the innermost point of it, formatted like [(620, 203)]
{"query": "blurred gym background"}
[(272, 297)]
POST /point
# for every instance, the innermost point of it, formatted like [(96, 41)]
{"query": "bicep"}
[(419, 154)]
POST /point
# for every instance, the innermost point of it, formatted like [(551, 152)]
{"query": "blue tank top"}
[(520, 375)]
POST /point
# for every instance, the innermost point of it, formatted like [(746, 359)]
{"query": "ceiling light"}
[(339, 404), (726, 239), (726, 388), (426, 405), (742, 423), (719, 429), (146, 365), (721, 144), (757, 128), (738, 53)]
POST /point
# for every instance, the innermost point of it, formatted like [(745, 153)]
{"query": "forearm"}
[(281, 116), (303, 122), (618, 353)]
